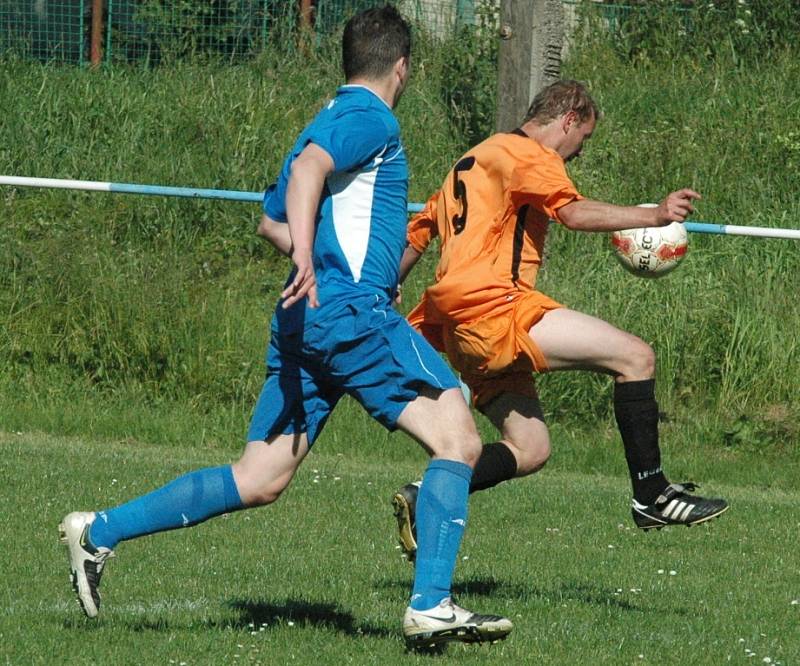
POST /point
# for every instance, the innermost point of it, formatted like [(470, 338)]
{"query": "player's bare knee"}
[(253, 495), (532, 455), (471, 450), (464, 446), (458, 443), (254, 490), (534, 461), (639, 362), (442, 423)]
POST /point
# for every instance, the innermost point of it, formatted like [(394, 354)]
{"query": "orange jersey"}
[(491, 214)]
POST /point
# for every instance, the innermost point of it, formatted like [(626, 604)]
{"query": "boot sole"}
[(402, 512), (657, 526)]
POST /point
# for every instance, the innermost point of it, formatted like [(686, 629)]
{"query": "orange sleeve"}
[(422, 228), (544, 184)]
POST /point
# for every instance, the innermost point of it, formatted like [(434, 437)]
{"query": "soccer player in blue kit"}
[(339, 210)]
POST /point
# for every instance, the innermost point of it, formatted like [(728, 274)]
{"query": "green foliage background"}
[(118, 312)]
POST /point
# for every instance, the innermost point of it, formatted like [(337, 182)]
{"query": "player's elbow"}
[(266, 228), (572, 225), (570, 219), (576, 215), (262, 229)]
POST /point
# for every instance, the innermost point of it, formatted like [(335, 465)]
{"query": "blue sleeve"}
[(275, 201), (352, 139)]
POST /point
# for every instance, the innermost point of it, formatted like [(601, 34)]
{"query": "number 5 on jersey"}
[(460, 193)]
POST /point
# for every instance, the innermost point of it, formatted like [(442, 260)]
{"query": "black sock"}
[(636, 410), (495, 465)]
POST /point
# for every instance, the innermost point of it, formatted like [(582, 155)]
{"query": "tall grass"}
[(165, 298), (723, 323), (121, 300)]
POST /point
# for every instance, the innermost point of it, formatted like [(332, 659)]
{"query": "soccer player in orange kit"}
[(483, 310)]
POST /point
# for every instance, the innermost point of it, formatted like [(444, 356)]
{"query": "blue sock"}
[(441, 519), (186, 501)]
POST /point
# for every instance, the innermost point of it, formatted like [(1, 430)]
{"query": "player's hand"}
[(398, 296), (676, 207), (304, 283)]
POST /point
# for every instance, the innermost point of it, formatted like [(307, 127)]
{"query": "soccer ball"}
[(653, 251)]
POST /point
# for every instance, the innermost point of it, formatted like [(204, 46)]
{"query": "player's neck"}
[(384, 88), (546, 135)]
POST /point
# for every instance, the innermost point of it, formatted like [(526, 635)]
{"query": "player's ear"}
[(402, 68), (569, 119)]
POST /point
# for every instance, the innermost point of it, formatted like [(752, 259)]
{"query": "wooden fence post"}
[(96, 52), (532, 38), (307, 14)]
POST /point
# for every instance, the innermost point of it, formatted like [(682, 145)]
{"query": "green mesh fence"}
[(45, 31), (436, 16), (157, 29), (154, 31)]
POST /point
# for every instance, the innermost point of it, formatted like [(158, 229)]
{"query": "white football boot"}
[(448, 622), (86, 562)]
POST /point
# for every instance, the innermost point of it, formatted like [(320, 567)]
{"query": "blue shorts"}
[(361, 347)]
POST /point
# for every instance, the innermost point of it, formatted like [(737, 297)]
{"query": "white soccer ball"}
[(651, 252)]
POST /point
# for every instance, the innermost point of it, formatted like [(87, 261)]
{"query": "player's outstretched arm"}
[(677, 206), (309, 171), (589, 215)]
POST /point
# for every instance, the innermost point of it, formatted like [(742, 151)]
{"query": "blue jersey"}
[(355, 342), (361, 220)]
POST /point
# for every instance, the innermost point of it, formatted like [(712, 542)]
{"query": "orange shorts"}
[(494, 354)]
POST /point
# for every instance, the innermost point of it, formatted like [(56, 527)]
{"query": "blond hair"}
[(559, 98)]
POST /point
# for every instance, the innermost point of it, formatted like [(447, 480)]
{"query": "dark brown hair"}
[(373, 41)]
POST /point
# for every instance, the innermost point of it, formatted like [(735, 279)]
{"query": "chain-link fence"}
[(47, 31), (239, 28), (153, 30)]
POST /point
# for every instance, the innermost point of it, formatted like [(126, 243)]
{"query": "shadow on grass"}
[(567, 590), (622, 599), (479, 586), (260, 613), (247, 616)]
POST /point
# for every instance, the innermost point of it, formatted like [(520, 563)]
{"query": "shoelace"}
[(674, 490)]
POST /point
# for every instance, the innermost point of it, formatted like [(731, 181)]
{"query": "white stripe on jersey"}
[(351, 195)]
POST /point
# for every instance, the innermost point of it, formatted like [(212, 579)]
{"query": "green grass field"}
[(317, 576), (132, 333)]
